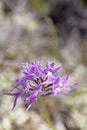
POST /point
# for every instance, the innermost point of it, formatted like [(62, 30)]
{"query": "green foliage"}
[(41, 6)]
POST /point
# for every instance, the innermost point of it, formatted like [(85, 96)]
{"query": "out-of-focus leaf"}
[(77, 93), (41, 6)]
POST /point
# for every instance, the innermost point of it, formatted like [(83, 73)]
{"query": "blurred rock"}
[(83, 46), (6, 79), (71, 56), (20, 119), (80, 119), (80, 76), (10, 52), (6, 124), (60, 126), (68, 15)]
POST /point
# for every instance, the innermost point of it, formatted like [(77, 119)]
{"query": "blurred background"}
[(30, 29)]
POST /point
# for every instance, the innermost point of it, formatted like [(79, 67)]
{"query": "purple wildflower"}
[(39, 80)]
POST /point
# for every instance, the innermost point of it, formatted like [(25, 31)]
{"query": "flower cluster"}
[(39, 80)]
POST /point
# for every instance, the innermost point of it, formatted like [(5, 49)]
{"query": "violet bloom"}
[(39, 80)]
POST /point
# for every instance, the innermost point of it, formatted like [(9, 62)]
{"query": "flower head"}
[(39, 80)]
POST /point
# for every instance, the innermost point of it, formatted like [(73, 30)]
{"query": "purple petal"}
[(15, 101), (52, 64), (66, 80), (74, 84), (13, 94), (57, 80), (29, 106), (55, 70)]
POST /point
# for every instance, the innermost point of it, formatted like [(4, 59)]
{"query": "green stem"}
[(54, 36), (46, 114)]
